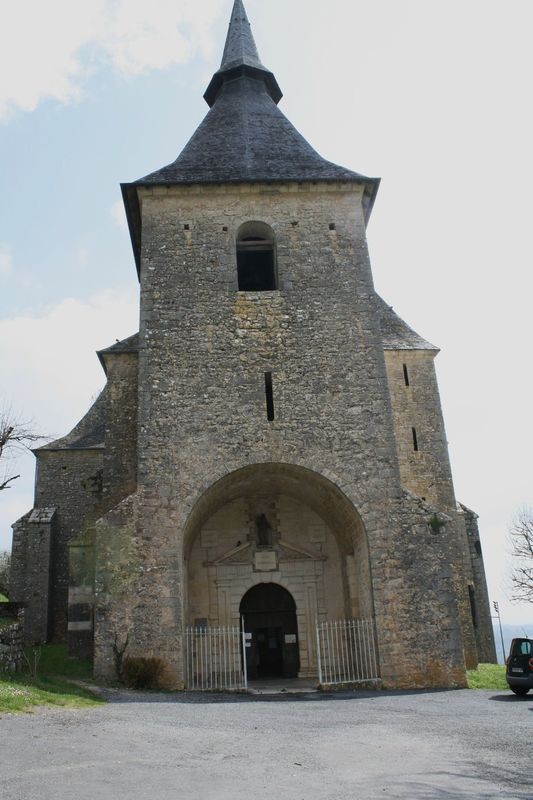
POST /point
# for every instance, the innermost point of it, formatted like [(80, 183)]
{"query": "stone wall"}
[(481, 610), (120, 455), (11, 638), (73, 479), (78, 478), (425, 471), (425, 466), (30, 574)]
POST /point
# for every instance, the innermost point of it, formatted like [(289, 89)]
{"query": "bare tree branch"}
[(521, 538), (15, 438), (5, 484)]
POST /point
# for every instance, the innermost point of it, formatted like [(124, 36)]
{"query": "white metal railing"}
[(213, 658), (346, 651)]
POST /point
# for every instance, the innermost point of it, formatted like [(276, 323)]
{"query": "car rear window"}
[(522, 647)]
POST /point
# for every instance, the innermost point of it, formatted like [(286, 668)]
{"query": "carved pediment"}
[(243, 554), (291, 552), (237, 555)]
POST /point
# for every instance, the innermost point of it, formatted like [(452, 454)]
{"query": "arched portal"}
[(276, 524), (268, 613)]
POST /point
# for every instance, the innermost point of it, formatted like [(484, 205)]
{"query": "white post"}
[(497, 610), (244, 664), (319, 659)]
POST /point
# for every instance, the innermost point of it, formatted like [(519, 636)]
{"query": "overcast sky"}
[(433, 96)]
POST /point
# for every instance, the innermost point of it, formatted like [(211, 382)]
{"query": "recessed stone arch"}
[(318, 550), (321, 492)]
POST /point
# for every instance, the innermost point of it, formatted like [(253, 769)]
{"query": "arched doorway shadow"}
[(268, 612)]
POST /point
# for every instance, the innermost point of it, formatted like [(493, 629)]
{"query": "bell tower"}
[(263, 394), (269, 451)]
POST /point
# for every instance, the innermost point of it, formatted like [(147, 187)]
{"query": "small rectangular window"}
[(269, 396), (405, 375), (415, 440)]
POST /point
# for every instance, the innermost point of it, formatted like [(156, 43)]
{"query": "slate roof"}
[(88, 434), (241, 58), (244, 138), (128, 345), (42, 516), (396, 334)]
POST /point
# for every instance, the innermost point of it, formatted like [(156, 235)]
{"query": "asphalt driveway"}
[(462, 744)]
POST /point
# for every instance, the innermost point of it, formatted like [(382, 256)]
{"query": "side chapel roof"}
[(244, 138), (396, 334), (88, 434), (128, 345)]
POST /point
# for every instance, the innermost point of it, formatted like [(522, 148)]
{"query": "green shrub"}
[(145, 673)]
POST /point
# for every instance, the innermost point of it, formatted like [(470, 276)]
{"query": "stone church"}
[(268, 453)]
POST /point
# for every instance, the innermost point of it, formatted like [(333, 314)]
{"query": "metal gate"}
[(213, 658), (346, 651)]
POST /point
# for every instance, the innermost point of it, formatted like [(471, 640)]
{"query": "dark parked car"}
[(519, 666)]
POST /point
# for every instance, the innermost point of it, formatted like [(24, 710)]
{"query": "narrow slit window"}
[(405, 375), (415, 440), (256, 258), (269, 396), (473, 605)]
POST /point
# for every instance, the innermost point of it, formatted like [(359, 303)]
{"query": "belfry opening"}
[(256, 258)]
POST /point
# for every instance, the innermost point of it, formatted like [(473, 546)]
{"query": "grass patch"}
[(22, 693), (3, 598), (487, 676), (54, 660), (51, 687)]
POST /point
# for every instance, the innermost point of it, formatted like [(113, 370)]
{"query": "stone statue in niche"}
[(263, 531)]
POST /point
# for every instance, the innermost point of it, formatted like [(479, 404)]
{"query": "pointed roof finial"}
[(240, 45), (241, 58)]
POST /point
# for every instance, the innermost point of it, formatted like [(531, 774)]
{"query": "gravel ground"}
[(462, 744)]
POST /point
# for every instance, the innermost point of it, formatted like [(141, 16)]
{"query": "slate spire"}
[(240, 45), (241, 58), (245, 137)]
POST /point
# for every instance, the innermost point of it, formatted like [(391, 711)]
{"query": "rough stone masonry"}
[(273, 424)]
